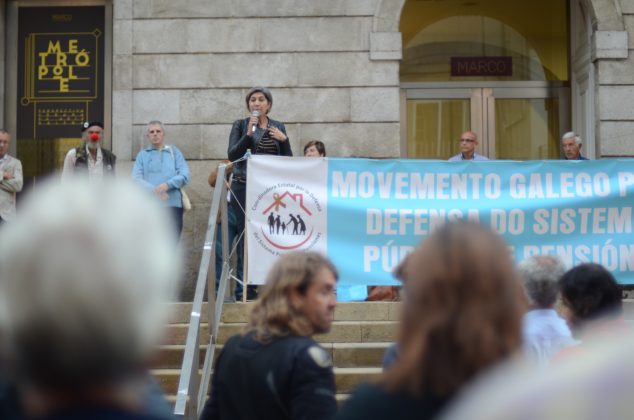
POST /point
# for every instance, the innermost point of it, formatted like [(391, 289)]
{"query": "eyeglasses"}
[(467, 140)]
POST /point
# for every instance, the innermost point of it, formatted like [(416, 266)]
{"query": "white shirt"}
[(545, 333), (95, 166)]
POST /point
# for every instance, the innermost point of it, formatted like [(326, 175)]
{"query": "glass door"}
[(435, 118), (60, 82), (528, 122), (434, 124), (518, 121)]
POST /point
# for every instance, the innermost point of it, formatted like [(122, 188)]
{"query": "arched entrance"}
[(497, 67)]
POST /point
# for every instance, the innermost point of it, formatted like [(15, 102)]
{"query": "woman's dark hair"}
[(591, 292), (319, 145), (267, 94)]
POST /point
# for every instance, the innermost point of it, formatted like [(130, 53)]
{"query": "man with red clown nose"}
[(90, 158)]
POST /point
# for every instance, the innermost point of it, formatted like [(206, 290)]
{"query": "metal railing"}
[(192, 387)]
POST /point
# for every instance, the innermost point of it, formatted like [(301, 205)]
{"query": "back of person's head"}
[(84, 276), (462, 310), (541, 275), (590, 292), (273, 314)]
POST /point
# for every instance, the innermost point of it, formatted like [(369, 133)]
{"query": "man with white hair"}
[(90, 158), (84, 274), (571, 144)]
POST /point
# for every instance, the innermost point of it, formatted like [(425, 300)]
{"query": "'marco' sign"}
[(481, 66)]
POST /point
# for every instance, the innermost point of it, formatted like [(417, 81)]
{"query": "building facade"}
[(371, 78)]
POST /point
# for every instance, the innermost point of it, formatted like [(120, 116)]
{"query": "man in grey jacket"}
[(10, 178)]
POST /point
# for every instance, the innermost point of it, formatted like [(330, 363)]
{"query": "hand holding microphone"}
[(253, 122)]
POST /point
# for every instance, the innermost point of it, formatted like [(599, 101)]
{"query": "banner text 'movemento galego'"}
[(475, 186)]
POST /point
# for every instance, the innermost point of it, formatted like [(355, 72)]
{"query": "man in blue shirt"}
[(163, 170)]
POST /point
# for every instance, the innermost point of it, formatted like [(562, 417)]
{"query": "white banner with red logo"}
[(286, 210)]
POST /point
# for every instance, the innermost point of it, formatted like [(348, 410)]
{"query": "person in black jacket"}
[(263, 136), (276, 370)]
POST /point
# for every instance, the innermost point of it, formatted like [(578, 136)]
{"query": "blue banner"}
[(379, 210)]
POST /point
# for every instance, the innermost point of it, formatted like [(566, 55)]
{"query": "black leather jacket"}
[(239, 142), (289, 378)]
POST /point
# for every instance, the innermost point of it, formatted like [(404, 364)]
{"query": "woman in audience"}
[(592, 301), (462, 313)]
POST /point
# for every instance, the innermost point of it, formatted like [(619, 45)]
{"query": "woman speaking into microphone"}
[(261, 134)]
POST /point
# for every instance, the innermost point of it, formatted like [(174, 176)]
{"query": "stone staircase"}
[(360, 334)]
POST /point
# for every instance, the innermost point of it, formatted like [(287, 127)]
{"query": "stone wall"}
[(189, 63), (613, 47)]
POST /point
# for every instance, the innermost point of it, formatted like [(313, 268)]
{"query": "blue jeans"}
[(233, 233)]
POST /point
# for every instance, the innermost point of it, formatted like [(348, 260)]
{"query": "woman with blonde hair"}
[(462, 311)]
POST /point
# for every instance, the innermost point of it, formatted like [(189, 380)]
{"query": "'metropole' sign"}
[(60, 79), (481, 66), (367, 215)]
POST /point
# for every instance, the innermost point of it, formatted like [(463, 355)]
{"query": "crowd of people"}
[(81, 307), (85, 273)]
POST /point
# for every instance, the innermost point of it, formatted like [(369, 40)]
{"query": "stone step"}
[(170, 356), (175, 334), (341, 398), (343, 354), (239, 312), (628, 309), (341, 332), (347, 355), (346, 379)]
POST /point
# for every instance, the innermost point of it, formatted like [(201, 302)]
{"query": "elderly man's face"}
[(468, 143), (572, 150), (156, 135)]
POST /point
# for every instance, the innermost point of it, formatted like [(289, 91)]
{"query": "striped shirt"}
[(267, 145)]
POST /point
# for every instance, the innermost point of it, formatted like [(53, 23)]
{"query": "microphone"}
[(255, 114)]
